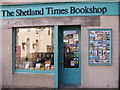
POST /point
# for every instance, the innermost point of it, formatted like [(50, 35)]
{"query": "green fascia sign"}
[(59, 9)]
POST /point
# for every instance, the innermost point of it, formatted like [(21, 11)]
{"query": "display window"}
[(34, 48), (100, 42)]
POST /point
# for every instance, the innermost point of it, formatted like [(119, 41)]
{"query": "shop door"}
[(69, 55)]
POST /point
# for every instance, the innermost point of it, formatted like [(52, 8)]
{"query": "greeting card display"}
[(99, 47)]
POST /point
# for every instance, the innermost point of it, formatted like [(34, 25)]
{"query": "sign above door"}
[(59, 9)]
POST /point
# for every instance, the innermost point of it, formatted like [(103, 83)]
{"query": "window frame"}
[(93, 29), (14, 53)]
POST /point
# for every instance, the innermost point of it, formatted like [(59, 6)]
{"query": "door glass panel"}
[(71, 49)]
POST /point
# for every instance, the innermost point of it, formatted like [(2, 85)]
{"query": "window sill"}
[(34, 71)]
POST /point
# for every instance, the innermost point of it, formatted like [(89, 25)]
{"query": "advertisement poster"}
[(99, 47)]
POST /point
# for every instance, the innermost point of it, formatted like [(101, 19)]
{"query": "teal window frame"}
[(110, 46), (32, 71)]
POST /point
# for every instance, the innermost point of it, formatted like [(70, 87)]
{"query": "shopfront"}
[(61, 45)]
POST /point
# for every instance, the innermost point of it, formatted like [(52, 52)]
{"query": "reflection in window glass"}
[(34, 48)]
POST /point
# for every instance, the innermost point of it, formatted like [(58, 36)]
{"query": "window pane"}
[(71, 49), (34, 48)]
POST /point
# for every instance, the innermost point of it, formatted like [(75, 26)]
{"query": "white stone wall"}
[(19, 80), (92, 76), (0, 50), (101, 76), (0, 53)]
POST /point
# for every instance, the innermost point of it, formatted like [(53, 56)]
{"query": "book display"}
[(34, 48), (99, 47), (42, 61)]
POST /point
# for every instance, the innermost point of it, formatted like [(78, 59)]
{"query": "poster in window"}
[(99, 47)]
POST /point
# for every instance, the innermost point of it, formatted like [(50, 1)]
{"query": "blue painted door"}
[(69, 55)]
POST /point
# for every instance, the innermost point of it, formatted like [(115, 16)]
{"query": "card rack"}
[(99, 47)]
